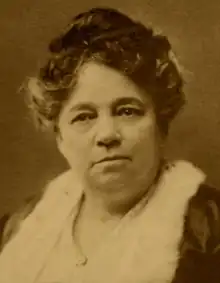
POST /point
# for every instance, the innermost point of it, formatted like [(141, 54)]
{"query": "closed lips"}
[(113, 158)]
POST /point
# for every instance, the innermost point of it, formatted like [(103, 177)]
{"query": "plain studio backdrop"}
[(29, 158)]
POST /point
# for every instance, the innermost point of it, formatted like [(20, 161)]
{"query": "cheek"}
[(144, 136), (146, 151), (147, 145), (74, 150)]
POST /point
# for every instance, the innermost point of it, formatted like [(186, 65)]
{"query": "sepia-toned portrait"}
[(110, 142)]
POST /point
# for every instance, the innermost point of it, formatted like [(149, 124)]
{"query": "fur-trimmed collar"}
[(145, 249)]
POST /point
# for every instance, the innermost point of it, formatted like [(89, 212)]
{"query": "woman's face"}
[(108, 131)]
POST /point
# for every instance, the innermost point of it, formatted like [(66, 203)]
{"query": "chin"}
[(109, 182)]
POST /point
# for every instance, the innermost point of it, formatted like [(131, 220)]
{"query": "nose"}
[(107, 134)]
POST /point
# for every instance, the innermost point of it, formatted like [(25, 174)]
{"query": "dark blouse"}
[(200, 245)]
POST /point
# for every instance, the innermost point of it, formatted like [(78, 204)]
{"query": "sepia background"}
[(29, 158)]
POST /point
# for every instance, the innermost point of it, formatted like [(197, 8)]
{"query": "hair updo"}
[(109, 37)]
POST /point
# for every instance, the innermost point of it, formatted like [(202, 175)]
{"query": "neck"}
[(97, 208)]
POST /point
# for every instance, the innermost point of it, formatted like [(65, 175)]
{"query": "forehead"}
[(101, 84)]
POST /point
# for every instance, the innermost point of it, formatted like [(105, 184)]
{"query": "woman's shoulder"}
[(208, 193), (207, 199), (203, 219), (10, 221)]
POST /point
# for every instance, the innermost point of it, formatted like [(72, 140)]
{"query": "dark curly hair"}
[(109, 37)]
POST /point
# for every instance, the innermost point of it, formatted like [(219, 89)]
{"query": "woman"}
[(122, 213)]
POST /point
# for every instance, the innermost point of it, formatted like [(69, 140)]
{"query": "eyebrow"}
[(118, 102), (128, 100), (82, 106)]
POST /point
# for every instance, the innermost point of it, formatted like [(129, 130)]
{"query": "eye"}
[(83, 117), (129, 111)]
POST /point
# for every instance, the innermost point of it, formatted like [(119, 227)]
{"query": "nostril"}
[(109, 143), (108, 138)]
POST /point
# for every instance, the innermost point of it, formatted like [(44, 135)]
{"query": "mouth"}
[(113, 158)]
